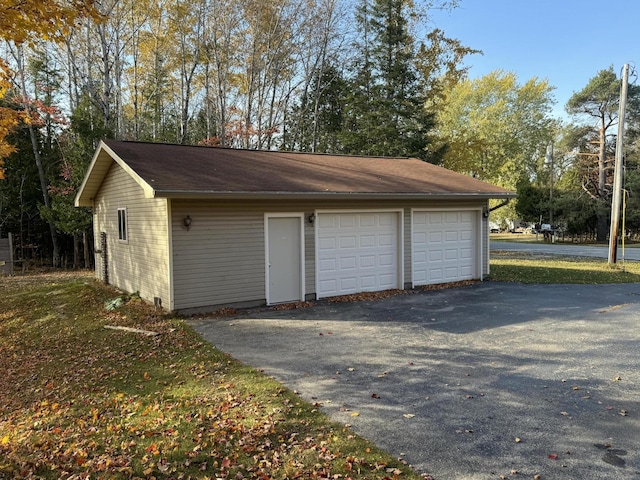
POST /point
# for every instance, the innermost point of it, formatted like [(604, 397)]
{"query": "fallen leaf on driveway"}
[(355, 414), (553, 456), (408, 415), (623, 413)]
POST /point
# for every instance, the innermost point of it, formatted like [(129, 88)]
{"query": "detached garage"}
[(195, 228)]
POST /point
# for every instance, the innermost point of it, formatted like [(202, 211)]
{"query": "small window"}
[(122, 225)]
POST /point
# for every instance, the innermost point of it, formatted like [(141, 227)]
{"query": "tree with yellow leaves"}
[(20, 20)]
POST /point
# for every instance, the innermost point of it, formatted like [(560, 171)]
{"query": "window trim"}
[(123, 225)]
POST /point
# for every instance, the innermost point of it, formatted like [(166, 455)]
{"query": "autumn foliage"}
[(20, 19), (20, 22)]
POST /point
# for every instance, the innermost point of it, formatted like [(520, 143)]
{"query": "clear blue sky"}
[(566, 42)]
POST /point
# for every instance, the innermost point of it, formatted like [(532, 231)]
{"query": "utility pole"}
[(550, 158), (617, 179)]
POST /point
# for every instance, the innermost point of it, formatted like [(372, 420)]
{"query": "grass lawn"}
[(508, 266), (78, 400)]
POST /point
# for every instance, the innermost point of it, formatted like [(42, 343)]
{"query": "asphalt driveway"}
[(467, 383)]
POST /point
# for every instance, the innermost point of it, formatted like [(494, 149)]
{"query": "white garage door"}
[(445, 246), (356, 252)]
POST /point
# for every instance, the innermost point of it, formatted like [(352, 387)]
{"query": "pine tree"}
[(385, 112)]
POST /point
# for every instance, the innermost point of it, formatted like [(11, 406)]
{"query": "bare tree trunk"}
[(38, 159), (85, 245), (76, 251), (602, 211)]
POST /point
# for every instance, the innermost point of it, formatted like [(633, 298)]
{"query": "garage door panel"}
[(348, 285), (452, 274), (452, 217), (387, 260), (347, 221), (467, 217), (386, 240), (367, 220), (388, 281), (368, 282), (327, 265), (326, 243), (330, 286), (367, 261), (348, 263), (449, 252), (364, 249), (367, 241)]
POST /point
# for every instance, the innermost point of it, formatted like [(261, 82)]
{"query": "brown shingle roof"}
[(179, 170)]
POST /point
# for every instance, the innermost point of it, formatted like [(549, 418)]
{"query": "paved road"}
[(563, 249), (461, 373)]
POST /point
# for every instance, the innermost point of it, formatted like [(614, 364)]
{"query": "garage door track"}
[(467, 383)]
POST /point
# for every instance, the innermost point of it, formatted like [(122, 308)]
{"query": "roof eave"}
[(202, 195)]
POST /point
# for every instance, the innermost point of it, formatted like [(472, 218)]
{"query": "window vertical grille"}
[(122, 224)]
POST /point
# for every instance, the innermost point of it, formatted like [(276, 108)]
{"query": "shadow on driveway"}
[(450, 379)]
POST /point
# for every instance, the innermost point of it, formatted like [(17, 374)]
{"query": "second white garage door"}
[(356, 252), (445, 246)]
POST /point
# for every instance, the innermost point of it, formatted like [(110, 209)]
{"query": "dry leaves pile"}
[(80, 401)]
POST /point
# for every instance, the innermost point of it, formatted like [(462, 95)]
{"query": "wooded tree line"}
[(367, 77)]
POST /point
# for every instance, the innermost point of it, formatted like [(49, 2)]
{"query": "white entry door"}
[(357, 252), (284, 259), (445, 246)]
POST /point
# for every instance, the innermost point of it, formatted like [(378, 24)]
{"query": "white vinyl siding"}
[(141, 263)]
